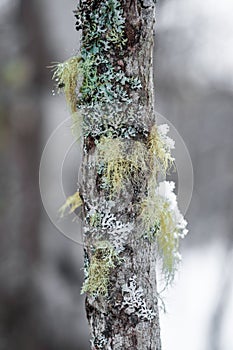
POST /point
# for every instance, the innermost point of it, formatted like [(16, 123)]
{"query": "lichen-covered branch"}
[(130, 219)]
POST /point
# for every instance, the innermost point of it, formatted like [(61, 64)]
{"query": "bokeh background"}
[(40, 269)]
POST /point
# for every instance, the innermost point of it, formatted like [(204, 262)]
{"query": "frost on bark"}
[(120, 266)]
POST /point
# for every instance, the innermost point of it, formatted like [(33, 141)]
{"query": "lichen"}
[(119, 160), (71, 204), (104, 80), (160, 145), (100, 92), (134, 301), (162, 221), (112, 163), (102, 222), (66, 76), (103, 260), (118, 231), (114, 120), (99, 342)]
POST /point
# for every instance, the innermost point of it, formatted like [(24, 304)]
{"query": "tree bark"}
[(127, 316)]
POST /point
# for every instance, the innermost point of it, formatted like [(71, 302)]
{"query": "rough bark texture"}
[(112, 325)]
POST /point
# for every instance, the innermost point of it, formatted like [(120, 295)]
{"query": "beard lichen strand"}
[(72, 203), (66, 75)]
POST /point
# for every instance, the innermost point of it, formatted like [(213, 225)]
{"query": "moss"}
[(102, 262), (65, 74), (71, 204)]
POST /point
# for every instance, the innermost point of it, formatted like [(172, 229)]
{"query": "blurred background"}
[(40, 269)]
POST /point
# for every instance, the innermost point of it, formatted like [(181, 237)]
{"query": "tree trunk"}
[(125, 315)]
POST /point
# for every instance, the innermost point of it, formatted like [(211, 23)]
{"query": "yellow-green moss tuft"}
[(72, 203), (102, 262)]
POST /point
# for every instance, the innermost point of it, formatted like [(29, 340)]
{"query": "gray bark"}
[(112, 325)]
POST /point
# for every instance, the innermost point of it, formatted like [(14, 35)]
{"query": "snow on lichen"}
[(163, 222), (165, 190), (160, 146)]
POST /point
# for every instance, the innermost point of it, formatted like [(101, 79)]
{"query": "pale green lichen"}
[(103, 260), (104, 77), (66, 76), (120, 159), (72, 203), (95, 219), (162, 221), (158, 225), (160, 146)]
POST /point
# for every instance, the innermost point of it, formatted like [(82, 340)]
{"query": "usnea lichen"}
[(72, 203), (118, 160), (163, 222), (160, 146), (66, 76), (103, 260)]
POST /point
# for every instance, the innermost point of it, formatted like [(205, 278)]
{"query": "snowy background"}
[(40, 269)]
